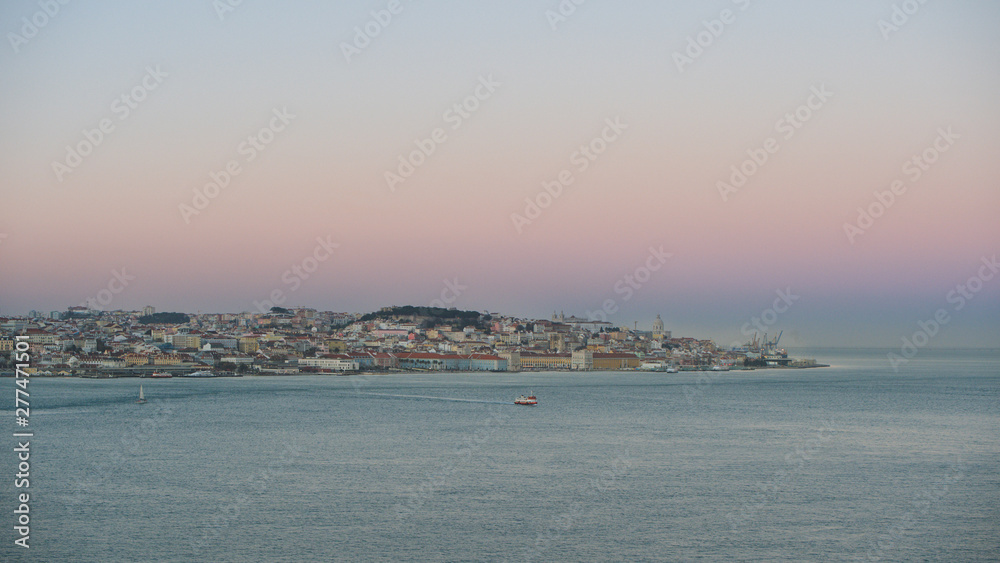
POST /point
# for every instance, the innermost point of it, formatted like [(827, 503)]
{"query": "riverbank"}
[(682, 369)]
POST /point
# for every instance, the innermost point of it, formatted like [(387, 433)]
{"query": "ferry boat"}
[(522, 400), (161, 374)]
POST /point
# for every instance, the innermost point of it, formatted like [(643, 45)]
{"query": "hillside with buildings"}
[(92, 343)]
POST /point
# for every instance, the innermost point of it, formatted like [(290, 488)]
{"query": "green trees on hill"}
[(430, 317), (164, 318)]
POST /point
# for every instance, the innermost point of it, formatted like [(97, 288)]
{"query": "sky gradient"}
[(212, 81)]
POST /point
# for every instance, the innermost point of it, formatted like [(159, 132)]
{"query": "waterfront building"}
[(330, 362), (486, 362), (236, 358), (366, 360), (616, 361), (513, 358), (430, 361), (535, 360), (135, 359), (167, 359), (386, 360), (582, 360)]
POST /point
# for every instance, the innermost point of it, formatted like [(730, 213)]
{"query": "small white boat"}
[(529, 400), (142, 398)]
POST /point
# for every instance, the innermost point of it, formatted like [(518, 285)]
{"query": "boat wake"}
[(428, 397)]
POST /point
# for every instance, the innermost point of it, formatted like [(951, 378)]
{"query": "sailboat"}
[(142, 398)]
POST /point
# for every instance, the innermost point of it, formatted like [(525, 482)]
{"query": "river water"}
[(847, 463)]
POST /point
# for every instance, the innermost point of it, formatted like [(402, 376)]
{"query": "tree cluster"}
[(164, 318), (430, 317)]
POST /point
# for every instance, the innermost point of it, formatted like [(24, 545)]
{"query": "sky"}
[(827, 168)]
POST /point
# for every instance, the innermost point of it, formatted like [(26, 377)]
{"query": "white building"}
[(331, 364), (582, 360), (513, 358), (487, 362)]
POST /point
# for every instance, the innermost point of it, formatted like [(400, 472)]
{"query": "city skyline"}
[(696, 162)]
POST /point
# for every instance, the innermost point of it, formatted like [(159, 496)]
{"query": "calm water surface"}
[(848, 463)]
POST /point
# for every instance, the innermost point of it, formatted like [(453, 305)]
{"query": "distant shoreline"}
[(415, 372)]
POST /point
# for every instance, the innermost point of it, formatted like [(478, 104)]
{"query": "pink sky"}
[(655, 184)]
